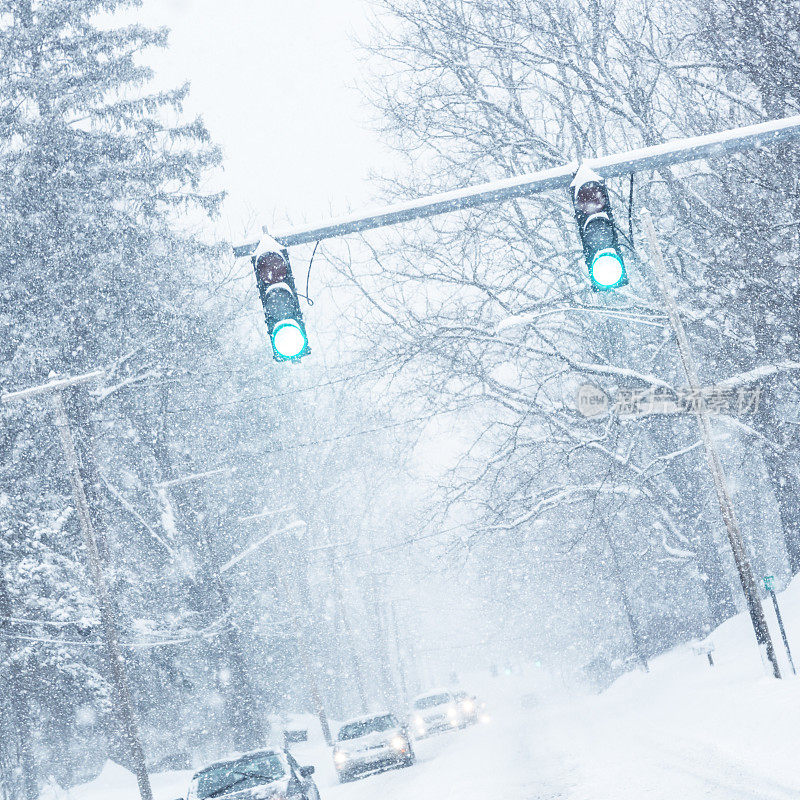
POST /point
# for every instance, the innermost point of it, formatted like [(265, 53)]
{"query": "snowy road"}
[(625, 746), (501, 759), (682, 732)]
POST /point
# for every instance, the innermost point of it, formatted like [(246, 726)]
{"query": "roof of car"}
[(433, 692), (366, 718), (267, 751)]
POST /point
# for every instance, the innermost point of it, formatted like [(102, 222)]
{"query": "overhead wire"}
[(49, 622), (209, 632), (363, 432), (245, 400)]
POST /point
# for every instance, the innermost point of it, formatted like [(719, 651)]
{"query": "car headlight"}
[(399, 743), (418, 720), (468, 706), (452, 713), (340, 757)]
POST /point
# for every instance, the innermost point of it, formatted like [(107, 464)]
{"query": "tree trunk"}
[(786, 487), (17, 700)]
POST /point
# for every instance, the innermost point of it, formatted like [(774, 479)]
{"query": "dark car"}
[(259, 775)]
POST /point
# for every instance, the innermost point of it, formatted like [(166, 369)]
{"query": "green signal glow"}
[(607, 270), (288, 339)]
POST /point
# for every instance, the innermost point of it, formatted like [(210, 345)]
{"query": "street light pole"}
[(715, 465), (123, 705)]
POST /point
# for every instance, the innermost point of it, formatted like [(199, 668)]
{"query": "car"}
[(434, 712), (259, 775), (371, 743), (468, 708)]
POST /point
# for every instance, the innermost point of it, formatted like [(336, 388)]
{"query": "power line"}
[(277, 395), (49, 622), (365, 431), (209, 632), (241, 400), (187, 376)]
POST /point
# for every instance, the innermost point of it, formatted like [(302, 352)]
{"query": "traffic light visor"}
[(591, 198), (272, 268), (606, 269), (288, 339)]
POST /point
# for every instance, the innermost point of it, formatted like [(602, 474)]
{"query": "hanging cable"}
[(630, 213), (308, 274)]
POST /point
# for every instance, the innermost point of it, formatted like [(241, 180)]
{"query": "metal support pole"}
[(782, 629), (126, 719), (715, 465), (677, 151)]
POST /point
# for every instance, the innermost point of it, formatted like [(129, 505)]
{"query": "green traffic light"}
[(288, 339), (607, 270)]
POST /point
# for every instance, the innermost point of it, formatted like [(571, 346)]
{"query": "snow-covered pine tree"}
[(98, 175)]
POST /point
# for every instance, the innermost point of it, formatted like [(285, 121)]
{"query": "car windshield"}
[(432, 700), (244, 773), (361, 728)]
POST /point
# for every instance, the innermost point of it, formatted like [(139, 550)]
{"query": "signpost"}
[(769, 585)]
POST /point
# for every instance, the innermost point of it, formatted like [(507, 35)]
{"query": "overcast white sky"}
[(274, 80)]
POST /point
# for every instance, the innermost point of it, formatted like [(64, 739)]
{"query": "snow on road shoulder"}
[(689, 730), (116, 783)]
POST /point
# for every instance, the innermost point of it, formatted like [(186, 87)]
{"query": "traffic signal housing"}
[(597, 231), (287, 331)]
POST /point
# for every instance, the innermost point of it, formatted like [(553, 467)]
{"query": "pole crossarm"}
[(677, 151)]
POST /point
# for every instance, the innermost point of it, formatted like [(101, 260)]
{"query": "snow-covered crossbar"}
[(677, 151)]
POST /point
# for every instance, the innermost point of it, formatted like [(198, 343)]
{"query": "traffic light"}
[(287, 331), (598, 234)]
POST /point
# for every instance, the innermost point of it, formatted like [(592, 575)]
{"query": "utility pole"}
[(715, 465), (123, 706)]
